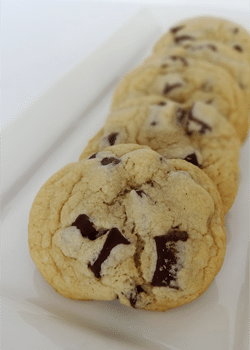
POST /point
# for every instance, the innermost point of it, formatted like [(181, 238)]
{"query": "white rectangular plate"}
[(34, 315)]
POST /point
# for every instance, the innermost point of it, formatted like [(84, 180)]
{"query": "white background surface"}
[(42, 40)]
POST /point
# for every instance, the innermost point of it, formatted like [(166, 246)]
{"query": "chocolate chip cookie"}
[(127, 223), (196, 133), (208, 28)]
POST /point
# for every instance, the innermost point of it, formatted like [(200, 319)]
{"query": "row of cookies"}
[(189, 99), (140, 216), (205, 59)]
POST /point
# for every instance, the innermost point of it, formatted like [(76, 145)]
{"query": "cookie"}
[(187, 80), (214, 52), (208, 28), (196, 133), (128, 224)]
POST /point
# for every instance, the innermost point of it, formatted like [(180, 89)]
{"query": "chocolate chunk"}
[(112, 138), (175, 235), (166, 266), (164, 65), (110, 160), (235, 30), (153, 123), (206, 87), (114, 238), (176, 29), (191, 158), (209, 101), (140, 192), (212, 47), (181, 115), (134, 295), (166, 259), (203, 126), (139, 289), (238, 48), (86, 227), (186, 118), (93, 156), (162, 103), (169, 87), (182, 59), (181, 38)]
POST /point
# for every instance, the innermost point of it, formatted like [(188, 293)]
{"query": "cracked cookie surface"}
[(195, 133), (127, 223)]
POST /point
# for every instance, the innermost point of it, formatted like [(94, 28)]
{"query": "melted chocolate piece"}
[(140, 192), (181, 38), (182, 59), (206, 87), (86, 227), (169, 87), (112, 138), (162, 103), (181, 115), (176, 29), (203, 126), (235, 30), (186, 117), (93, 156), (238, 48), (111, 160), (164, 65), (209, 101), (153, 123), (191, 158), (165, 272), (114, 238), (212, 47), (175, 235), (139, 289), (134, 294)]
